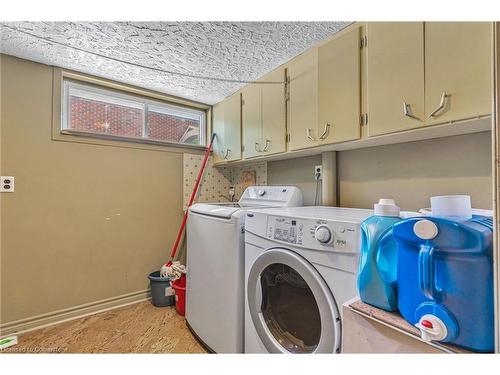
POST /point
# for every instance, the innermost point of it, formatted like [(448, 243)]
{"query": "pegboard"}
[(217, 181), (237, 176)]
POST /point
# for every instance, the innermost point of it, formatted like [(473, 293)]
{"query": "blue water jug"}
[(445, 279), (378, 261)]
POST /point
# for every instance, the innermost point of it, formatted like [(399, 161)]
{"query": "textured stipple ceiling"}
[(231, 50)]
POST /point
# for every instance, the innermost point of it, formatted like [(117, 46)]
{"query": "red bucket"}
[(179, 286)]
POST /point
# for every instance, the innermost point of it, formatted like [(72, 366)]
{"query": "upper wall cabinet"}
[(232, 127), (391, 76), (218, 129), (251, 119), (457, 70), (227, 126), (395, 76), (273, 113), (339, 89), (421, 74), (324, 105), (303, 101), (264, 116)]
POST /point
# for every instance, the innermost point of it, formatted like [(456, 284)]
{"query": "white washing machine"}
[(215, 263), (300, 267)]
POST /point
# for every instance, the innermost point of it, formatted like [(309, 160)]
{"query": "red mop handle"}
[(193, 195)]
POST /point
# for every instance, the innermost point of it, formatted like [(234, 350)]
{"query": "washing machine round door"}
[(291, 306)]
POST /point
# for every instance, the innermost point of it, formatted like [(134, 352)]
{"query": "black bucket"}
[(162, 293)]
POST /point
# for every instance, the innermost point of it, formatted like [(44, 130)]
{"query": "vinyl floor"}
[(136, 328)]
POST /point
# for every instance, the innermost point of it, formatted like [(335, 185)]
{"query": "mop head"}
[(173, 270)]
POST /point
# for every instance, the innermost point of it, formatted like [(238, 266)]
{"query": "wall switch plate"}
[(6, 184), (318, 169)]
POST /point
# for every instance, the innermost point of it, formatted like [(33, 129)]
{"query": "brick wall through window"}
[(108, 118)]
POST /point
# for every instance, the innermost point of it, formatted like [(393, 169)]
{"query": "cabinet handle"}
[(309, 130), (326, 132), (442, 104), (226, 154), (257, 147), (266, 147), (408, 112)]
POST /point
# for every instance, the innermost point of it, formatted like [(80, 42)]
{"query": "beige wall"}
[(413, 172), (86, 222), (298, 172), (409, 172)]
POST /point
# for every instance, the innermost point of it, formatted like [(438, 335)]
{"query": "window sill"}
[(113, 140)]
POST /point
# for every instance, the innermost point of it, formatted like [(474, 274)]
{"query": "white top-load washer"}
[(215, 263), (300, 267)]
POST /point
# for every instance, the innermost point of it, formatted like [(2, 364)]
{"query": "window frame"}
[(118, 91)]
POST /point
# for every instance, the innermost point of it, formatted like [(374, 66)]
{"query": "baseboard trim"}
[(75, 312)]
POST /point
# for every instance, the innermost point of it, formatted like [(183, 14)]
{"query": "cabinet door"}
[(339, 89), (457, 64), (232, 127), (273, 113), (218, 129), (252, 120), (303, 103), (395, 76)]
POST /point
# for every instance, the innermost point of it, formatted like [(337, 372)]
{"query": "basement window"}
[(101, 112)]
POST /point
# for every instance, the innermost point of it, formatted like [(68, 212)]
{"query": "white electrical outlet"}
[(318, 169), (6, 184)]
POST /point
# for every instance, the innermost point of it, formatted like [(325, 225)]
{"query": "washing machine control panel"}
[(315, 233), (284, 229)]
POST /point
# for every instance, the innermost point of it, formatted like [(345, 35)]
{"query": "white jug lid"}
[(451, 205), (386, 207)]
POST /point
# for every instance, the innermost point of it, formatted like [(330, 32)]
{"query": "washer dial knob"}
[(261, 192), (323, 234)]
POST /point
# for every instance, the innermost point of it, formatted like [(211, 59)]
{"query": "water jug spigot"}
[(432, 328)]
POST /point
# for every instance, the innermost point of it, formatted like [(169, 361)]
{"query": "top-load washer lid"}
[(222, 210), (253, 197)]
